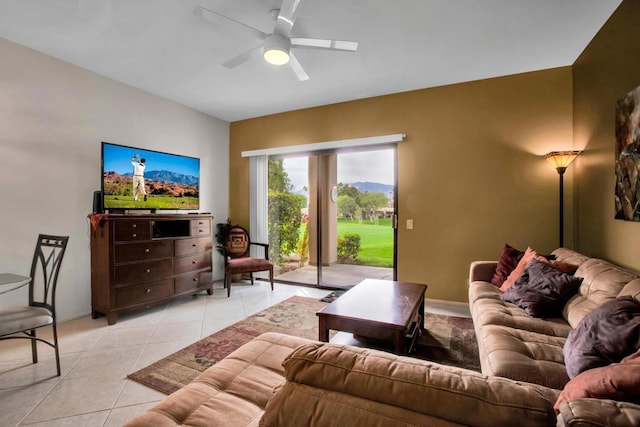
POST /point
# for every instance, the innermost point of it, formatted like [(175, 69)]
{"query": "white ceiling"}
[(162, 47)]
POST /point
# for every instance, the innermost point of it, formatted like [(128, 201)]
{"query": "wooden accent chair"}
[(22, 321), (237, 259)]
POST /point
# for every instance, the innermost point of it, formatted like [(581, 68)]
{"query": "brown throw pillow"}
[(565, 267), (618, 381), (506, 264)]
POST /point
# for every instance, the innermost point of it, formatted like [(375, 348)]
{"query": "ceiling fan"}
[(276, 47)]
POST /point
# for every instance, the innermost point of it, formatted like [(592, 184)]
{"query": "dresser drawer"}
[(147, 292), (200, 227), (143, 271), (191, 263), (142, 251), (132, 230), (190, 281), (192, 246)]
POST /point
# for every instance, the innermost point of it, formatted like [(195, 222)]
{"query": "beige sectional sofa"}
[(279, 380), (514, 345)]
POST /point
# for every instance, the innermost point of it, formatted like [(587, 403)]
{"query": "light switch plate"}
[(409, 224)]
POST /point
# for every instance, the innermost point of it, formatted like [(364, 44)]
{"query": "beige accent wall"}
[(53, 117), (605, 72), (470, 172)]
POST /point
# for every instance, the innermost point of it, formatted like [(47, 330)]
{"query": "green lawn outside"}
[(153, 202), (376, 241)]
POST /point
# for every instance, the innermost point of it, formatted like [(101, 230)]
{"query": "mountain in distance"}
[(163, 175), (367, 186), (372, 187)]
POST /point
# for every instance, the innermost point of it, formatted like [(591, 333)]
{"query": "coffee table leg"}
[(398, 343), (323, 331), (421, 313)]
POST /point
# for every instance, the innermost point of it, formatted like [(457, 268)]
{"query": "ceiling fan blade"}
[(215, 17), (343, 45), (300, 73), (287, 17), (242, 58)]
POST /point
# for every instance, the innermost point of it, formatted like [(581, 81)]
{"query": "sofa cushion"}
[(507, 262), (295, 405), (542, 290), (631, 289), (522, 355), (410, 384), (587, 412), (233, 392), (606, 335), (569, 256), (497, 312), (618, 381), (601, 281)]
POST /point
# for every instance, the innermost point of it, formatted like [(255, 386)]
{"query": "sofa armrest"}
[(482, 271), (598, 412), (359, 382)]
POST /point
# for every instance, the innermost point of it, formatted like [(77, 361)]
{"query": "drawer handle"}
[(193, 245), (147, 250), (200, 231), (134, 235), (195, 279), (200, 222), (148, 271), (193, 262), (134, 226), (148, 291)]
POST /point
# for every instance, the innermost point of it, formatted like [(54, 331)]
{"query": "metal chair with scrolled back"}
[(22, 321), (237, 259)]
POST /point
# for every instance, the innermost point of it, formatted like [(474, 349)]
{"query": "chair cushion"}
[(247, 265), (23, 318)]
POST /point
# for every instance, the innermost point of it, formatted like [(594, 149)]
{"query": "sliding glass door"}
[(331, 217)]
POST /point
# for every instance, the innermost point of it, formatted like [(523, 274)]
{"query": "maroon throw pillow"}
[(506, 264), (618, 381)]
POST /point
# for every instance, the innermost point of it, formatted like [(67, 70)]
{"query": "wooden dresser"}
[(141, 260)]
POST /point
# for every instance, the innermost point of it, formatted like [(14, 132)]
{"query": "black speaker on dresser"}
[(97, 202)]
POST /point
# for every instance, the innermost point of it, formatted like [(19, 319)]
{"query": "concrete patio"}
[(337, 275)]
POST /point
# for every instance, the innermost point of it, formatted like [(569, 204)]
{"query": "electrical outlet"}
[(409, 224)]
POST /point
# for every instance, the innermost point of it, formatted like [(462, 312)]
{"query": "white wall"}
[(53, 117)]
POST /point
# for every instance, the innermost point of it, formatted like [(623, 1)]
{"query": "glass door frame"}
[(319, 199)]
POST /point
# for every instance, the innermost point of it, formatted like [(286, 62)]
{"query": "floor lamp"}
[(561, 160)]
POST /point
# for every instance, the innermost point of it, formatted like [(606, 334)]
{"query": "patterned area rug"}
[(449, 340)]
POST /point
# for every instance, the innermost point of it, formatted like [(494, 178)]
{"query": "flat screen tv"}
[(136, 178)]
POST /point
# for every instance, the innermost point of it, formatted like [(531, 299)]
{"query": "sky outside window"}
[(368, 166)]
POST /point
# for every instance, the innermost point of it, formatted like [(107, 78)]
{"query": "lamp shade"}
[(276, 49), (561, 159)]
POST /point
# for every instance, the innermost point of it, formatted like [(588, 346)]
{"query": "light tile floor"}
[(93, 389)]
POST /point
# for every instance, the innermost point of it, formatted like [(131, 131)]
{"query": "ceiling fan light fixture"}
[(276, 49)]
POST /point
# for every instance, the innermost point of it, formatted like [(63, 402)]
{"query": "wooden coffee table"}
[(380, 309)]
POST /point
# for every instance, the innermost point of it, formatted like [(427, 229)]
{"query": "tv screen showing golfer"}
[(136, 178)]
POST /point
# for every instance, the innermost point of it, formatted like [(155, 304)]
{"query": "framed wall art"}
[(627, 191)]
